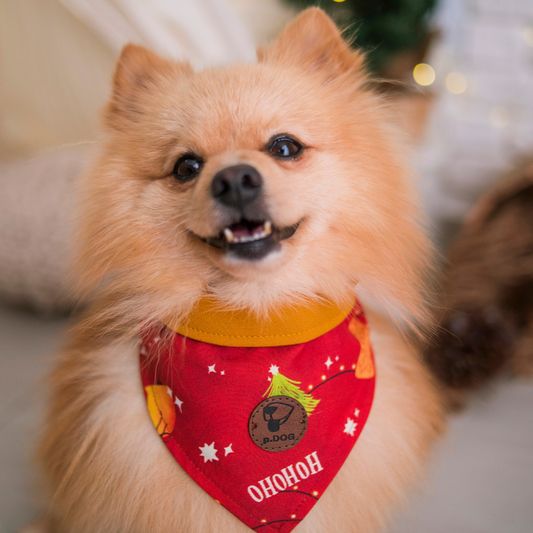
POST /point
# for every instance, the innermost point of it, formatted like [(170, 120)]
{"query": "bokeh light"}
[(499, 117), (527, 34), (456, 83), (424, 74)]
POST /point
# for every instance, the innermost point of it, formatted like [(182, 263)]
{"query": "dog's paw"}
[(471, 347)]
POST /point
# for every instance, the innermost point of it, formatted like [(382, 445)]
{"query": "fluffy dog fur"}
[(107, 469)]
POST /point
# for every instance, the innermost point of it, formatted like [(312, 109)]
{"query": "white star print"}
[(328, 363), (143, 350), (357, 412), (211, 369), (337, 358), (209, 453), (223, 373), (350, 427), (228, 449), (274, 370), (178, 402), (169, 392), (269, 379)]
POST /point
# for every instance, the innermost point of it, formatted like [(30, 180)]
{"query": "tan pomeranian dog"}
[(276, 192)]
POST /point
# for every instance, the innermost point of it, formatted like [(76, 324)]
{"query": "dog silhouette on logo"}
[(282, 412)]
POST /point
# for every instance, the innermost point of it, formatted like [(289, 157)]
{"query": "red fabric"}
[(205, 395)]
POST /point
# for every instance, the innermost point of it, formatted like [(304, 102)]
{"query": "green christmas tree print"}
[(283, 386)]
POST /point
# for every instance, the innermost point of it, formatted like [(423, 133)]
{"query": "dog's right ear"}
[(138, 74), (313, 43)]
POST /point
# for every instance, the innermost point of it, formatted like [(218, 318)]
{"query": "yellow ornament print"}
[(162, 410), (365, 365)]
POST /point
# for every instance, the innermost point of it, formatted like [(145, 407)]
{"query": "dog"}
[(268, 190), (486, 292)]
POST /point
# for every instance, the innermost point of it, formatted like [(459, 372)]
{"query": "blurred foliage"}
[(382, 28)]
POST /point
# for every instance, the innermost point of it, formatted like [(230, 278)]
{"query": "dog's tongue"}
[(246, 229)]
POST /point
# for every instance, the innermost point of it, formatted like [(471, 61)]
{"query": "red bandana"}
[(263, 429)]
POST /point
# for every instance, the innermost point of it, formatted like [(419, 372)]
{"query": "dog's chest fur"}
[(135, 485)]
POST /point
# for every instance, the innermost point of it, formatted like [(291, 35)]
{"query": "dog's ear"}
[(313, 42), (138, 73)]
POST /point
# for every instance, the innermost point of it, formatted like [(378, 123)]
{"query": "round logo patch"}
[(278, 423)]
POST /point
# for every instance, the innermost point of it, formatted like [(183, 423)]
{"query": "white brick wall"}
[(463, 152)]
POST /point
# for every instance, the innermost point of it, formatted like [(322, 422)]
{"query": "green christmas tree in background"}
[(283, 386), (382, 28)]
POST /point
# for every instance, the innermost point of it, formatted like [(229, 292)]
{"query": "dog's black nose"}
[(237, 186)]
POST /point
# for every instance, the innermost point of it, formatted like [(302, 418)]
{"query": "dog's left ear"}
[(138, 73), (314, 43)]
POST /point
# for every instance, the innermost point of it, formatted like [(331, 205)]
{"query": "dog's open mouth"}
[(249, 239)]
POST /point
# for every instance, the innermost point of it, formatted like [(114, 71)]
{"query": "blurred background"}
[(459, 78)]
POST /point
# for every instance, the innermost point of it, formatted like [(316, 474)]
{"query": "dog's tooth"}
[(229, 235), (265, 232)]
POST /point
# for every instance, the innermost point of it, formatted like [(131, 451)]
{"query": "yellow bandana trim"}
[(292, 325)]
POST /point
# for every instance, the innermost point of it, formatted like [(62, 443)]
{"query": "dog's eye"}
[(187, 167), (284, 147)]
